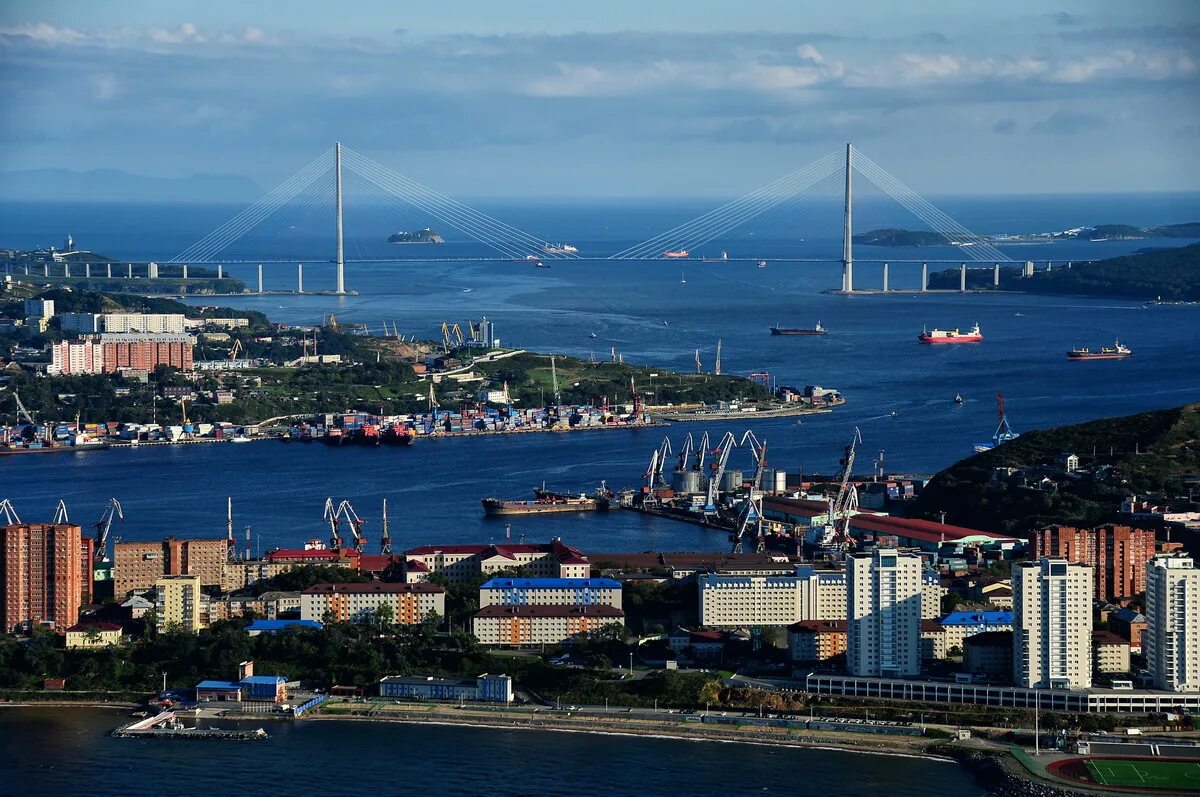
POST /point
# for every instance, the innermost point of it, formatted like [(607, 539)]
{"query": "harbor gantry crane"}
[(845, 502), (103, 526), (685, 454), (346, 512), (9, 512), (21, 411), (750, 517), (702, 452), (664, 451), (720, 460), (1004, 432), (385, 537), (452, 336), (331, 517), (60, 514)]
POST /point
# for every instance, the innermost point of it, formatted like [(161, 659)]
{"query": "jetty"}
[(166, 725)]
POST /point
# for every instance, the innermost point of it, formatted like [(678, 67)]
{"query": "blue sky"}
[(526, 99)]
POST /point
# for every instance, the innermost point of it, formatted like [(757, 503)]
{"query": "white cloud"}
[(151, 38)]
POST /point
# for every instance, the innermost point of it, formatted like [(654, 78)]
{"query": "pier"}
[(166, 725)]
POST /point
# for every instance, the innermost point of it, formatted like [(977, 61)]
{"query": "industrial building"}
[(249, 687), (555, 559), (46, 573), (1052, 624), (550, 591), (537, 625), (1172, 637), (728, 601), (409, 603), (484, 689), (883, 613), (138, 565)]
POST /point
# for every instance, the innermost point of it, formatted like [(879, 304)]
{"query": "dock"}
[(166, 725)]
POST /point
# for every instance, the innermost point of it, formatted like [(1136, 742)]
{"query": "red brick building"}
[(1118, 554), (42, 572), (147, 351)]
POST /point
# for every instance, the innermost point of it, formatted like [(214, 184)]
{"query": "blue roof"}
[(279, 625), (218, 685), (551, 583), (265, 679), (978, 618)]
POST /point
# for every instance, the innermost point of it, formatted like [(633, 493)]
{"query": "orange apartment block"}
[(42, 571)]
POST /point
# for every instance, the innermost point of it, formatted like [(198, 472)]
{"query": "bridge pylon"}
[(848, 225), (341, 258)]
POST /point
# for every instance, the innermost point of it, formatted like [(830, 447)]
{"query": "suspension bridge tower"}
[(848, 227), (341, 259)]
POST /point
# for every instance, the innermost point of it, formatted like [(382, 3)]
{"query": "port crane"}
[(685, 454), (346, 512), (385, 538), (751, 513), (103, 526), (21, 411), (720, 460), (845, 502), (11, 518), (1004, 432), (451, 334), (60, 514), (235, 349), (331, 517)]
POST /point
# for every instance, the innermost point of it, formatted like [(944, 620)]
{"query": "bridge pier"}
[(129, 267), (341, 261), (924, 277), (152, 270), (962, 278), (260, 277), (220, 271), (46, 270), (885, 277), (185, 270), (108, 267), (1048, 263), (87, 270), (66, 269), (996, 275), (299, 278), (848, 276)]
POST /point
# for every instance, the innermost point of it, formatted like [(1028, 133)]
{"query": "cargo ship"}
[(548, 502), (817, 330), (972, 335), (724, 257), (676, 253), (560, 249), (1117, 351)]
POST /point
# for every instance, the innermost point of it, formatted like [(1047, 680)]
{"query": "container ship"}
[(1117, 351), (972, 335), (817, 330), (547, 502)]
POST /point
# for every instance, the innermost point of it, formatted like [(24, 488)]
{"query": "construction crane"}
[(331, 517), (11, 518), (385, 538), (230, 542), (103, 526), (346, 512), (60, 514), (1004, 432), (720, 460)]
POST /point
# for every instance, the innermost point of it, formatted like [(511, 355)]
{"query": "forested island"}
[(425, 236), (891, 236), (1027, 482), (1166, 274)]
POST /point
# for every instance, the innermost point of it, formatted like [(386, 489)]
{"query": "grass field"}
[(1175, 775)]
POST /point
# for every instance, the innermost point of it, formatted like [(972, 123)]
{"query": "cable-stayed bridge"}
[(320, 186)]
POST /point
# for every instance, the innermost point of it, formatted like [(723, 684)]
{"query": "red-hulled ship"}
[(1117, 351), (972, 335)]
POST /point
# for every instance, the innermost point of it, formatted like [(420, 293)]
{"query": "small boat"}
[(972, 335), (762, 264), (540, 264), (239, 439), (665, 323), (724, 256), (1117, 351), (593, 334), (1019, 315), (893, 413), (958, 399)]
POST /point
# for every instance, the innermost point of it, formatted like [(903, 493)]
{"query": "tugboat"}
[(973, 335), (817, 330), (1117, 351)]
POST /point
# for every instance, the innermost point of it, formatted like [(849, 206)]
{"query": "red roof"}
[(818, 627), (311, 554), (926, 530), (796, 506), (563, 552), (375, 563), (372, 587), (416, 566), (95, 627)]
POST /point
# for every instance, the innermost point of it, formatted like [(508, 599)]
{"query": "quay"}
[(166, 725)]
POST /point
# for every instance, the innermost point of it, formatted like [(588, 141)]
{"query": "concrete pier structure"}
[(885, 277), (300, 278), (185, 270), (260, 277), (996, 275), (962, 278), (341, 261), (924, 277)]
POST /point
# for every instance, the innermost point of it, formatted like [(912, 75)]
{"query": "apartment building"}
[(728, 601), (1052, 624), (550, 591), (819, 643), (884, 595), (1117, 554), (138, 565), (44, 574), (408, 603), (519, 626), (177, 603), (88, 323), (555, 559), (1171, 640)]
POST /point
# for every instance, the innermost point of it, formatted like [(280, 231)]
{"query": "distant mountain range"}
[(107, 185)]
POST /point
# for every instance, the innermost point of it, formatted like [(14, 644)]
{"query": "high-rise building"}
[(883, 612), (1172, 638), (1117, 554), (41, 573), (177, 603), (138, 565), (1052, 624)]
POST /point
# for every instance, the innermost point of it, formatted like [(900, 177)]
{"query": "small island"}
[(897, 237), (425, 236), (891, 236)]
